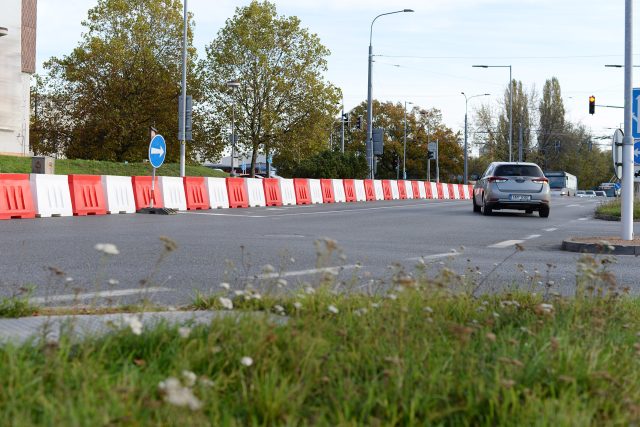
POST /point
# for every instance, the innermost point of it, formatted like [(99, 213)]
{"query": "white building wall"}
[(14, 84)]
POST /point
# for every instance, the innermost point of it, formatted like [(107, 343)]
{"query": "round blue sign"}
[(157, 151)]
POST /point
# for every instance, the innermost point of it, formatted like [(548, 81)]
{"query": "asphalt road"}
[(373, 239)]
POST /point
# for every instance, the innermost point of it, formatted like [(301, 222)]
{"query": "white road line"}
[(550, 229), (434, 256), (573, 206), (222, 214), (330, 270), (102, 294), (583, 219), (505, 244), (532, 236)]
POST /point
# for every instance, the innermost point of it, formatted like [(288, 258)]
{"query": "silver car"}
[(512, 185)]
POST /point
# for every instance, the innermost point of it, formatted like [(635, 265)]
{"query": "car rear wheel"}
[(486, 211), (476, 208), (544, 212)]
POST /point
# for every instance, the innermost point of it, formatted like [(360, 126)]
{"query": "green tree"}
[(552, 123), (521, 119), (283, 104), (333, 164), (124, 76)]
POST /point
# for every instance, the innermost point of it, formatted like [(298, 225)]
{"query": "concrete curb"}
[(598, 248), (610, 217)]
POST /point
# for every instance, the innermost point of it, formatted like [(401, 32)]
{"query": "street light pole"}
[(369, 142), (404, 149), (466, 152), (627, 141), (233, 84), (342, 136), (183, 142), (510, 103)]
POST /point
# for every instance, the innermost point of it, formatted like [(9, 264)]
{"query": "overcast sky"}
[(426, 57)]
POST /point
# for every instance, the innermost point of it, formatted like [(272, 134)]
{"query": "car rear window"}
[(518, 170)]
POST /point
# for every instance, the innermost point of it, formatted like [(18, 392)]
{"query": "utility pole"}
[(627, 140), (520, 142), (437, 161), (342, 136)]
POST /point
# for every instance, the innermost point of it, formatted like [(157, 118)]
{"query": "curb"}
[(606, 217), (598, 248)]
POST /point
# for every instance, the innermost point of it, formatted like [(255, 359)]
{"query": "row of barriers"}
[(37, 195)]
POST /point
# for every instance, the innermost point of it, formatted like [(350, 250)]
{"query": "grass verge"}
[(415, 356), (11, 164), (613, 208)]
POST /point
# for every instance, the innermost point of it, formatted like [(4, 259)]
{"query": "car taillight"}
[(541, 180), (497, 179)]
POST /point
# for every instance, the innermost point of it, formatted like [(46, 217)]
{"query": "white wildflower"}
[(496, 315), (268, 268), (189, 378), (292, 259), (551, 283), (246, 361), (256, 296), (392, 297), (281, 283), (238, 292), (226, 303), (114, 282), (134, 323), (297, 305), (333, 309), (375, 305), (428, 309), (176, 394), (225, 285), (69, 279), (278, 309), (184, 331), (206, 382), (360, 311), (546, 308), (107, 248), (309, 290)]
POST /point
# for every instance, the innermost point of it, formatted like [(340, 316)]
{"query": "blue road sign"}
[(157, 151), (635, 126)]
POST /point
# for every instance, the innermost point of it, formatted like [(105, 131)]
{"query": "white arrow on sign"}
[(155, 150)]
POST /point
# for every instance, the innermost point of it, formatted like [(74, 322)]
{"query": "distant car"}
[(512, 185), (580, 193), (589, 193), (601, 193)]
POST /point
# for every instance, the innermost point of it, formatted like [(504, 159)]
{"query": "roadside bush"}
[(329, 164)]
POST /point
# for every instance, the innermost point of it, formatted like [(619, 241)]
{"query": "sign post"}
[(157, 153)]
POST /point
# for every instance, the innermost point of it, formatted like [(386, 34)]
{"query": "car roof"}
[(514, 163)]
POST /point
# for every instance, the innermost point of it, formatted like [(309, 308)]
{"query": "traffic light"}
[(359, 122), (394, 161), (430, 155), (592, 104), (345, 118)]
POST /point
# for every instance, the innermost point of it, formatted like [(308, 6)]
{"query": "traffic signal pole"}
[(627, 141)]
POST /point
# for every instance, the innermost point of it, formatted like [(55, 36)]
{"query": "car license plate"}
[(519, 197)]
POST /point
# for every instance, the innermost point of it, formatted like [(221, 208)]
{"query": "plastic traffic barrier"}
[(402, 190), (255, 192), (428, 190), (87, 195), (439, 191), (51, 195), (118, 192), (377, 187), (445, 192), (195, 191), (434, 190), (217, 190), (272, 193), (453, 191), (415, 187), (338, 191), (395, 190), (349, 190), (16, 200), (316, 191), (237, 191), (369, 189), (288, 191), (468, 191), (419, 187), (386, 189), (361, 195), (327, 191), (142, 192), (406, 187), (303, 192), (173, 196)]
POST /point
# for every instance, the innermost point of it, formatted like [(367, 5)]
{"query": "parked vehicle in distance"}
[(562, 183), (600, 193), (580, 193), (512, 185), (589, 193), (612, 189)]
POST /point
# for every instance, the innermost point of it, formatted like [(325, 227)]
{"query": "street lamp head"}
[(486, 94), (480, 66), (462, 93), (613, 65), (3, 31), (408, 10)]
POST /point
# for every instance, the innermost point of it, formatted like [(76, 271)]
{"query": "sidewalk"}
[(20, 330)]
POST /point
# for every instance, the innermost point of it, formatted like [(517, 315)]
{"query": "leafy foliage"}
[(124, 76), (283, 104), (330, 164)]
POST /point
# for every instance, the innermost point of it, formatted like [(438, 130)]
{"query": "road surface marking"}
[(550, 229), (223, 214), (573, 206), (583, 219), (505, 244), (434, 256), (532, 236), (102, 294), (330, 270)]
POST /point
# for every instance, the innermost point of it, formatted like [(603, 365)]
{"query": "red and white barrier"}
[(445, 192), (255, 191), (408, 188), (217, 189), (377, 186), (456, 191), (395, 193), (173, 196), (338, 191), (51, 196), (435, 193), (288, 191), (119, 194), (316, 191), (361, 194), (421, 190)]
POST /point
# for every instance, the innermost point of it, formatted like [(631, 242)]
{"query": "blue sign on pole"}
[(635, 126), (157, 151)]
